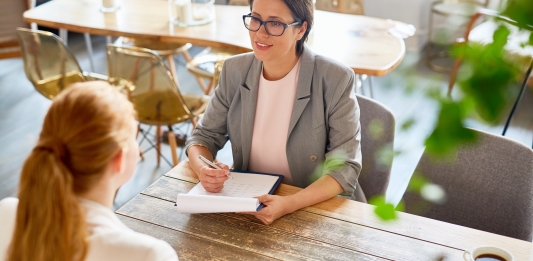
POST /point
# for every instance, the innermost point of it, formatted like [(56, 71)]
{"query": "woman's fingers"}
[(210, 187), (264, 198), (222, 165), (213, 179)]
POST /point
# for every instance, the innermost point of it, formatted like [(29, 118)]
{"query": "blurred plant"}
[(485, 80), (333, 162)]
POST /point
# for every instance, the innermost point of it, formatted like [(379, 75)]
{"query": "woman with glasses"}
[(87, 149), (285, 110)]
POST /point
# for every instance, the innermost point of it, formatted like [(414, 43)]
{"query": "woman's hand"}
[(275, 207), (213, 179)]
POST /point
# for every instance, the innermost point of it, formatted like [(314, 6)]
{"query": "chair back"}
[(208, 65), (377, 137), (149, 83), (48, 62), (488, 187), (239, 2), (341, 6)]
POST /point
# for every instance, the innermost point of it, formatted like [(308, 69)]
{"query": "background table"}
[(360, 42), (337, 229)]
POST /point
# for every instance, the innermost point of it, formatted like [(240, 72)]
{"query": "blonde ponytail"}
[(84, 128)]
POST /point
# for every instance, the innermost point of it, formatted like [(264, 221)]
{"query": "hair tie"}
[(55, 146)]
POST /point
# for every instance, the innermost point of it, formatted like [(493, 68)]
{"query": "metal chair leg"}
[(361, 84), (370, 86), (63, 34), (524, 84), (89, 45)]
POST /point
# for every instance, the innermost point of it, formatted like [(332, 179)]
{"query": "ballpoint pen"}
[(213, 165)]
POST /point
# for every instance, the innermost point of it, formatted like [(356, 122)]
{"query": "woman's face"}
[(269, 48)]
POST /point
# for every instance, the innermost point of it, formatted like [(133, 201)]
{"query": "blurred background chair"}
[(11, 12), (49, 64), (456, 14), (487, 184), (341, 6), (63, 34), (165, 50), (377, 141), (154, 93), (238, 2), (207, 65), (523, 56)]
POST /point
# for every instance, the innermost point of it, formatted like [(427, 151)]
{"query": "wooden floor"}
[(22, 110)]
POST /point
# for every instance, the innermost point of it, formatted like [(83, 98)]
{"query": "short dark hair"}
[(302, 11)]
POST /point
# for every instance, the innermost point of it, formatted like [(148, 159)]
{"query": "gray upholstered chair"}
[(374, 177), (489, 186)]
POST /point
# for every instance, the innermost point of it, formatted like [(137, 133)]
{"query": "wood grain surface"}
[(361, 42), (328, 230), (420, 228), (190, 247), (242, 234)]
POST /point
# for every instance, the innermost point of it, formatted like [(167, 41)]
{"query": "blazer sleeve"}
[(345, 133), (211, 131)]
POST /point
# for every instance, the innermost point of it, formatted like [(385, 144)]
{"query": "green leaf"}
[(408, 124), (487, 74), (449, 131), (400, 206), (375, 127), (383, 210), (520, 11), (416, 183), (334, 161)]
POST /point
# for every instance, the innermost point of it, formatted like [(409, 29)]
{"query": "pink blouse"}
[(275, 101)]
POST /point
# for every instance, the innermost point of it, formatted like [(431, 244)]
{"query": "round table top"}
[(361, 42)]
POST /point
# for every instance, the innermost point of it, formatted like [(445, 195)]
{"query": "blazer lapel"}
[(303, 90), (249, 91)]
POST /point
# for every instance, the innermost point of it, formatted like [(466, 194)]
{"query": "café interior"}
[(426, 76)]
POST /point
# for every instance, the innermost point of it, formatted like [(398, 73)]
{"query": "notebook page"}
[(243, 185), (236, 196)]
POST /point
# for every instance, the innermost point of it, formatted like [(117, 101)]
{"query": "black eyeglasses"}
[(273, 28)]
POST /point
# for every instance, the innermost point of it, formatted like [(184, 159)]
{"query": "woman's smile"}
[(262, 46)]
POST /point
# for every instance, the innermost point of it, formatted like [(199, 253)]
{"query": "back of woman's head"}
[(85, 127)]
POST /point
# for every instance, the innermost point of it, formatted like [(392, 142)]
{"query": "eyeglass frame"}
[(263, 23)]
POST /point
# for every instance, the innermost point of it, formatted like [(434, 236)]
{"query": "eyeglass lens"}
[(272, 27)]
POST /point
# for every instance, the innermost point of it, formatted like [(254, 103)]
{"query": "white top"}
[(275, 101), (109, 238)]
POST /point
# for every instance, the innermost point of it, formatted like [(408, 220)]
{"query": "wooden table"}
[(337, 229), (361, 42)]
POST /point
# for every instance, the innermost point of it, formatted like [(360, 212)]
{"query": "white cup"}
[(487, 250), (109, 6), (183, 11)]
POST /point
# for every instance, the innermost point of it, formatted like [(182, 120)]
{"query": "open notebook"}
[(236, 196)]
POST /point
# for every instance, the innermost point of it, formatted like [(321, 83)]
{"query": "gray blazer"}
[(325, 117)]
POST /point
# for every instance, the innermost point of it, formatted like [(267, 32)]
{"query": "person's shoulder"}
[(129, 245), (8, 213), (326, 64), (9, 202), (240, 58)]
